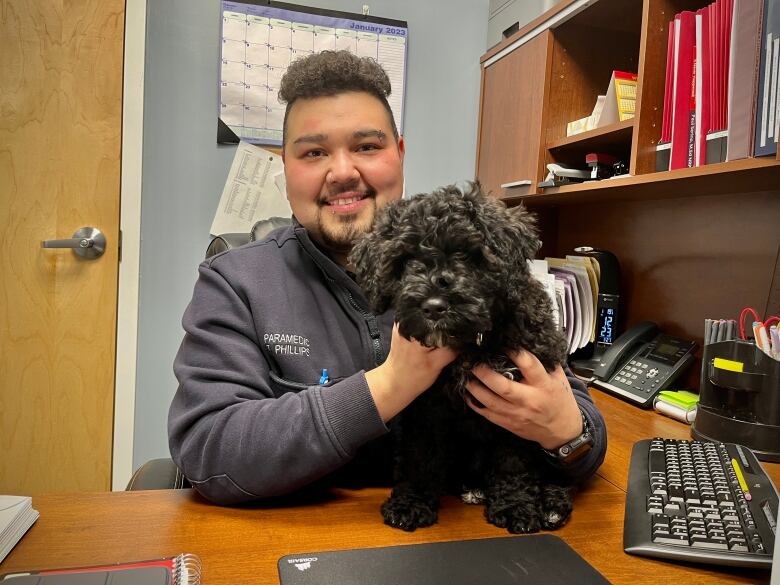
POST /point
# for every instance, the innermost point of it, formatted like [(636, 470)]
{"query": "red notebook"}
[(703, 73), (684, 92), (666, 127), (183, 569)]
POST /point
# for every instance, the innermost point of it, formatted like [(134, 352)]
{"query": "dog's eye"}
[(414, 265), (443, 280)]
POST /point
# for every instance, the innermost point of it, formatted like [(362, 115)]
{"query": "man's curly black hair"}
[(331, 73)]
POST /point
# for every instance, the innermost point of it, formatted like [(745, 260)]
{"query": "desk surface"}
[(242, 545)]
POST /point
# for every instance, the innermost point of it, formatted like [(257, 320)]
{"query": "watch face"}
[(575, 448)]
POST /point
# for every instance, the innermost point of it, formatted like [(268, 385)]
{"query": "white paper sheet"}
[(540, 270), (253, 191)]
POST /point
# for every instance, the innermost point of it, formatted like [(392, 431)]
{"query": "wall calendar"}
[(260, 39)]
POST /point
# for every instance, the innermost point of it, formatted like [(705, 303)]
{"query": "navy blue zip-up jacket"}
[(254, 416)]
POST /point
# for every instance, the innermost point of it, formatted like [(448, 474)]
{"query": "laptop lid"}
[(543, 559)]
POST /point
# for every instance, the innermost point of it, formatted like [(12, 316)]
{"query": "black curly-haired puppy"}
[(453, 266)]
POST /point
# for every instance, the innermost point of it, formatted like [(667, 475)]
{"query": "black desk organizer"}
[(740, 407)]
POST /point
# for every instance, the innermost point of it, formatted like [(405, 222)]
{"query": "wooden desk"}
[(242, 545)]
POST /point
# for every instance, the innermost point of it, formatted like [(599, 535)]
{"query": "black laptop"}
[(543, 559)]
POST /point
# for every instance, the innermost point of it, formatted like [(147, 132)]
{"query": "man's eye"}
[(367, 147), (314, 154)]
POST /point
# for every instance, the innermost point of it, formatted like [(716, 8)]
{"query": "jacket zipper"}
[(370, 319), (373, 329)]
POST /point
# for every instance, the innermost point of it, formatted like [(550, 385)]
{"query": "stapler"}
[(559, 174), (601, 165)]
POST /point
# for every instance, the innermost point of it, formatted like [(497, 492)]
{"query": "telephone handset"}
[(642, 362)]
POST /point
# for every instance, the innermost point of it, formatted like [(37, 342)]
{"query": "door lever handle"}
[(87, 242)]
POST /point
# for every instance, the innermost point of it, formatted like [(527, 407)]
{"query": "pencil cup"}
[(740, 406)]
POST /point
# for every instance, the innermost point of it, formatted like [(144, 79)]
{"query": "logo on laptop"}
[(302, 564)]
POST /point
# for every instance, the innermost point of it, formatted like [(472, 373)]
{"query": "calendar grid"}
[(259, 41)]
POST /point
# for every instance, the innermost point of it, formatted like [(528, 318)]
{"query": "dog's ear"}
[(510, 233), (524, 231), (379, 257)]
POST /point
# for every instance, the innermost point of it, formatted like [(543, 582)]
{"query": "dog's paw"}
[(408, 514), (472, 496), (517, 519), (552, 520), (556, 507)]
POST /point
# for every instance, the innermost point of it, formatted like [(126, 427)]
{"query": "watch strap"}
[(577, 447)]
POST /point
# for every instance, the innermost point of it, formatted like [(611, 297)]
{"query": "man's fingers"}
[(497, 383), (532, 369), (486, 396)]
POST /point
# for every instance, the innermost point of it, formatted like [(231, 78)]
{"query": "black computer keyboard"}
[(686, 502)]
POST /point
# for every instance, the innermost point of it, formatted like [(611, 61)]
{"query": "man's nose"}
[(342, 168)]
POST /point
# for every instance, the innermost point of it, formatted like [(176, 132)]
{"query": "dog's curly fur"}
[(453, 266)]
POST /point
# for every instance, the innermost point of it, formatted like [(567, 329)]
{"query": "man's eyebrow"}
[(370, 134), (311, 138)]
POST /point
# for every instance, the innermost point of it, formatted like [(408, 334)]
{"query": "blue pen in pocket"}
[(324, 378)]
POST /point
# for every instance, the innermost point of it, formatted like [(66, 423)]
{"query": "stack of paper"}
[(16, 516), (572, 284), (589, 122)]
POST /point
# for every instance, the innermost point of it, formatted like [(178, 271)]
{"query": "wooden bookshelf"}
[(750, 175), (614, 139), (596, 138), (693, 243)]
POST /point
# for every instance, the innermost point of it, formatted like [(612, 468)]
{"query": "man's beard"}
[(339, 232)]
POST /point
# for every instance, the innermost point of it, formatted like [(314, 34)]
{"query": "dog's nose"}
[(435, 307)]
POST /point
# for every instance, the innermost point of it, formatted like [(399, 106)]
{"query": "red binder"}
[(666, 125), (703, 73), (684, 94)]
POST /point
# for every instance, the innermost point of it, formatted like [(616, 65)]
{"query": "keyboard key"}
[(661, 539), (711, 544)]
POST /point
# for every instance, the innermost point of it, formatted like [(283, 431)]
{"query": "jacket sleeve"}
[(584, 468), (231, 436)]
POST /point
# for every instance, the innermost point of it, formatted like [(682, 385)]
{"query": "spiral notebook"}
[(183, 569), (541, 559)]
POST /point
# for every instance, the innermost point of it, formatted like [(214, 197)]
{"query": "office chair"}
[(163, 474)]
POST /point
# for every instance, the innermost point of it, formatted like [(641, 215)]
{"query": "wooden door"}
[(510, 122), (60, 137)]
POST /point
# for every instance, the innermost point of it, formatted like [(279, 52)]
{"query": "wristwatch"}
[(576, 448)]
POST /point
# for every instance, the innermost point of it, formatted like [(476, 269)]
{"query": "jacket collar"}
[(330, 268)]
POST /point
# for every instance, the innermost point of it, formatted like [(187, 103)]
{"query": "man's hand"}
[(409, 370), (539, 408)]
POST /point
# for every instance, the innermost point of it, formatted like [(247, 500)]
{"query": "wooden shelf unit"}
[(693, 243), (751, 175), (614, 139)]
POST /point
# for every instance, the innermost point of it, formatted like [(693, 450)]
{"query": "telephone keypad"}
[(649, 369)]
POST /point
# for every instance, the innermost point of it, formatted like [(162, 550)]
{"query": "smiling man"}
[(286, 378), (342, 154)]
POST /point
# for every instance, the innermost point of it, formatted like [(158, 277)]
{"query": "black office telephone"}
[(642, 362)]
